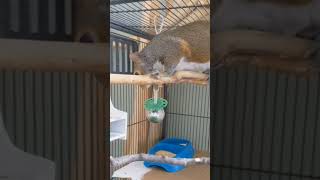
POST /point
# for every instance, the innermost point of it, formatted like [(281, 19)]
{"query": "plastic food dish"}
[(181, 147)]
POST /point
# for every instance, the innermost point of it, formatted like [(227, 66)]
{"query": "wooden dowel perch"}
[(53, 56), (267, 42), (179, 77), (124, 160)]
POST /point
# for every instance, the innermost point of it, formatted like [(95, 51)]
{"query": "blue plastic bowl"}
[(181, 147)]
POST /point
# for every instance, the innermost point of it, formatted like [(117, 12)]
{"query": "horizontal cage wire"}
[(140, 15)]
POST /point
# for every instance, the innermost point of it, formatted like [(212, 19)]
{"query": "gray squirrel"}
[(183, 48), (288, 18), (188, 47), (283, 16)]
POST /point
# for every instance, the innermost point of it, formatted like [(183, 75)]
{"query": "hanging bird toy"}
[(155, 107)]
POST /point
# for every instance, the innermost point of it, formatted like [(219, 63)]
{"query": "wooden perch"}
[(53, 56), (263, 42), (275, 63), (124, 160), (264, 50), (179, 77)]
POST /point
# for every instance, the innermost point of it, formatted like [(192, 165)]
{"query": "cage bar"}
[(138, 15)]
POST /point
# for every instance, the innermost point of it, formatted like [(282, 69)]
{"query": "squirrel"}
[(184, 48), (288, 17)]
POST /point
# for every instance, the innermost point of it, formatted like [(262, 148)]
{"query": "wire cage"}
[(138, 16), (132, 25)]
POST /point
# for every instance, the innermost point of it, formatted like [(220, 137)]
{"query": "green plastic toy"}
[(150, 105), (155, 109)]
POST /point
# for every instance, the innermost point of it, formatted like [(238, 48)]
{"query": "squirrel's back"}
[(197, 36)]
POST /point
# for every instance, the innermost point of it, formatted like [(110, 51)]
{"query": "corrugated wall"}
[(36, 19), (266, 125), (119, 53), (59, 116), (188, 114)]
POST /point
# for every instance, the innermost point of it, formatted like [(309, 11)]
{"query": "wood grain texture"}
[(141, 133), (179, 77), (262, 42), (302, 68), (53, 56)]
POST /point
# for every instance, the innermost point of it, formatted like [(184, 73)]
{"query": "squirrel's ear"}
[(135, 57)]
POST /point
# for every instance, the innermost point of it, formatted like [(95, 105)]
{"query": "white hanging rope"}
[(155, 93), (155, 24)]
